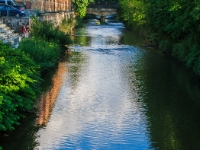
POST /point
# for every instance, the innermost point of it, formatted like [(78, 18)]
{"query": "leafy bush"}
[(45, 54), (20, 70), (19, 82), (48, 32)]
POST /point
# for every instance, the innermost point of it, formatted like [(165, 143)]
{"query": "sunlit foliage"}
[(47, 31), (172, 25), (80, 7), (19, 82), (46, 44), (46, 54), (21, 69)]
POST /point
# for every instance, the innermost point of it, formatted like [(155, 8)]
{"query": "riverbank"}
[(136, 98), (33, 58), (173, 27), (11, 27)]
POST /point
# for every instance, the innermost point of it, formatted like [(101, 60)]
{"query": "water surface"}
[(114, 94), (119, 95)]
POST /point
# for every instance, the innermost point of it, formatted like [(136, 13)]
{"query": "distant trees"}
[(80, 6), (173, 25)]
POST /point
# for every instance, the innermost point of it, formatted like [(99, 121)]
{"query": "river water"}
[(114, 94)]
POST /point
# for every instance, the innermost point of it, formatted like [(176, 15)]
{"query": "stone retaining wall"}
[(16, 23), (57, 18)]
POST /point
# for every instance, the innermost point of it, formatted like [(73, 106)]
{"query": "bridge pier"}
[(102, 19)]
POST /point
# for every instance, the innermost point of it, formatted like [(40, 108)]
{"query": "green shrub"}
[(48, 32), (19, 82), (46, 54)]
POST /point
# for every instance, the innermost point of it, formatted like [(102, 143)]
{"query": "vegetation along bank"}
[(173, 26), (22, 69)]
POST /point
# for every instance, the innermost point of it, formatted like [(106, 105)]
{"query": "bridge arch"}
[(102, 9), (101, 12)]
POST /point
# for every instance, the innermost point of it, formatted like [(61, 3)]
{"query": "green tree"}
[(80, 6), (19, 82), (132, 12), (172, 25)]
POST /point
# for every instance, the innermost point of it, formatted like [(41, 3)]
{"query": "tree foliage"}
[(19, 82), (172, 25), (20, 70), (80, 6)]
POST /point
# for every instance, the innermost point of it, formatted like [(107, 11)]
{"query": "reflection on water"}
[(112, 94), (102, 112), (171, 97), (118, 96), (48, 98), (97, 107)]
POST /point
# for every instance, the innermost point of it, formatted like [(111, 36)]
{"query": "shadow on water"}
[(23, 137), (171, 98)]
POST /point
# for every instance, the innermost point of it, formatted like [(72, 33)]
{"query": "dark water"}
[(114, 94)]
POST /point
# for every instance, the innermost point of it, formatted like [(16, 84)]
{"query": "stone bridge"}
[(102, 10)]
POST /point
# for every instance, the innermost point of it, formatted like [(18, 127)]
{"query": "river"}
[(114, 94)]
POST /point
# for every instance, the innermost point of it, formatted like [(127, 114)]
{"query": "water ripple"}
[(97, 107)]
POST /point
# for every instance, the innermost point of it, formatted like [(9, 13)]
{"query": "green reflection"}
[(80, 37), (77, 60), (171, 98), (22, 138), (135, 38)]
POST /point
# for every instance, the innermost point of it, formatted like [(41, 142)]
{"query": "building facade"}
[(45, 6)]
